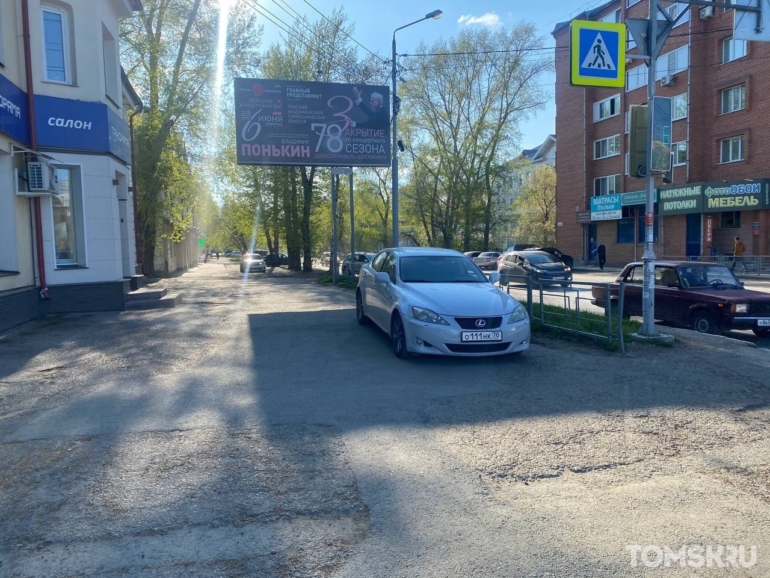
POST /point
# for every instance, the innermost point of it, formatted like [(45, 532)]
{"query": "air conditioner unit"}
[(667, 80), (706, 12), (41, 177)]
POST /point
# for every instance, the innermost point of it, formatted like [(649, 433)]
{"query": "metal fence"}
[(569, 308), (755, 264)]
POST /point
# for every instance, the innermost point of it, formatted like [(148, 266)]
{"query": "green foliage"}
[(535, 209)]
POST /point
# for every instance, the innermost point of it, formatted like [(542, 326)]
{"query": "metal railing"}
[(564, 307), (755, 264)]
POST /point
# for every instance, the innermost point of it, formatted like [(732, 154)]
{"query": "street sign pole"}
[(648, 290)]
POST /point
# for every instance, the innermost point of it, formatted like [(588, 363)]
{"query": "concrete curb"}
[(695, 337)]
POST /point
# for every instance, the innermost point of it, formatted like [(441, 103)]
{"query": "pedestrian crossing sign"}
[(597, 54)]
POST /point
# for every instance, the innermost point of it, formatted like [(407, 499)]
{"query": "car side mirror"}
[(382, 277), (494, 277)]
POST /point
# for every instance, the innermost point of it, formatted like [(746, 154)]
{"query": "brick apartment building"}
[(720, 139)]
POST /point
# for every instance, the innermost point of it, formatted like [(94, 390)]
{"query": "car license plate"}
[(763, 322), (471, 336), (558, 278)]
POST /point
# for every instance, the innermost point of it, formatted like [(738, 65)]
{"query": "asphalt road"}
[(257, 430)]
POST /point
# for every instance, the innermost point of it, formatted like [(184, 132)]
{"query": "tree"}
[(463, 108), (170, 54), (535, 209)]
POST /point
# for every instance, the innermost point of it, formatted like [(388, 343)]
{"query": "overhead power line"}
[(341, 30)]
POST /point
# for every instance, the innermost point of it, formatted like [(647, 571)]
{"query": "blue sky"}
[(375, 22)]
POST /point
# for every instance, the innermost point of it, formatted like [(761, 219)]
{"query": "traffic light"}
[(637, 141)]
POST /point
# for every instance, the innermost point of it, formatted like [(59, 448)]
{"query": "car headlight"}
[(422, 314), (567, 269), (519, 314), (741, 308)]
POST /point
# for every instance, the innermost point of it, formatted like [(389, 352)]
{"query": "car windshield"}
[(488, 255), (440, 269), (539, 258), (708, 276)]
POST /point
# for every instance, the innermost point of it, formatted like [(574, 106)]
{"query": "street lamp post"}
[(435, 15)]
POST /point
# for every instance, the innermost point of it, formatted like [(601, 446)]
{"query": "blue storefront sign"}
[(80, 126), (13, 111), (606, 208)]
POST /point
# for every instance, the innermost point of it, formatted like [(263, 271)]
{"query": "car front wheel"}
[(398, 337), (704, 322), (360, 315)]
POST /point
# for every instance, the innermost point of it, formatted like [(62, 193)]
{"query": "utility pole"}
[(648, 290), (335, 181)]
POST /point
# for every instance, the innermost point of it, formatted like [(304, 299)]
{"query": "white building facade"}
[(67, 239)]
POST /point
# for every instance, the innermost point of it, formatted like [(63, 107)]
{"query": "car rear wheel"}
[(704, 322), (360, 315), (761, 332), (398, 337)]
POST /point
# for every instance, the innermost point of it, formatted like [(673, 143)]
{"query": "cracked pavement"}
[(257, 430)]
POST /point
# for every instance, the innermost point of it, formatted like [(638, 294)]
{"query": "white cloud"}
[(488, 19)]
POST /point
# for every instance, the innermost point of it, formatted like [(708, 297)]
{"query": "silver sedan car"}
[(437, 301)]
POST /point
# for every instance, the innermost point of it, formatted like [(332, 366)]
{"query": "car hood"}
[(734, 295), (459, 299)]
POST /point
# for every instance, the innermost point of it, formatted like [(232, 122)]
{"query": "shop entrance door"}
[(693, 235)]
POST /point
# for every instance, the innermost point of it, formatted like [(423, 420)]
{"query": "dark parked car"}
[(537, 265), (487, 260), (564, 258), (276, 260), (353, 267), (472, 254), (703, 296)]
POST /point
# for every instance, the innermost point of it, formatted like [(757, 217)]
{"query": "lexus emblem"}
[(480, 323)]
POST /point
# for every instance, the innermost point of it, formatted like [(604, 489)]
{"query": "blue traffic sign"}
[(598, 54)]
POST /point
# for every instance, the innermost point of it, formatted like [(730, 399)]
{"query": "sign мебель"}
[(283, 122)]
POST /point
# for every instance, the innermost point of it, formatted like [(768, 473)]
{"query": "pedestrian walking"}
[(217, 254), (601, 252), (738, 250)]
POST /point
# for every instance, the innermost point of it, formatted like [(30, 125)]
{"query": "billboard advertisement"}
[(288, 122), (606, 208)]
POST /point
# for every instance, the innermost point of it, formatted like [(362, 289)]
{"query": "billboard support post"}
[(333, 260), (352, 218)]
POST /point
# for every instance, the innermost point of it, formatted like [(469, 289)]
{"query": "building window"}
[(729, 2), (731, 150), (730, 220), (607, 185), (607, 147), (679, 150), (734, 99), (636, 78), (630, 3), (607, 108), (612, 17), (67, 207), (626, 164), (56, 53), (111, 76), (733, 49), (674, 11), (672, 62), (630, 42), (626, 232), (679, 107)]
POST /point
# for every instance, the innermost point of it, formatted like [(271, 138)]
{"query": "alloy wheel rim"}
[(398, 334)]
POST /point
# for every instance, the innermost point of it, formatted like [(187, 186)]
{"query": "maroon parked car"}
[(704, 296)]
